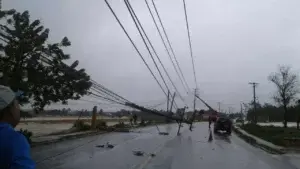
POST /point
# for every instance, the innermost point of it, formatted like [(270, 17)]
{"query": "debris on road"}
[(152, 155), (141, 153), (163, 133), (108, 145), (138, 153)]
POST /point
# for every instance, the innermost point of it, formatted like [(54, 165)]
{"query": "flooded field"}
[(47, 125), (68, 119)]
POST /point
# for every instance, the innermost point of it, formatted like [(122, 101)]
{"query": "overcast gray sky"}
[(234, 42)]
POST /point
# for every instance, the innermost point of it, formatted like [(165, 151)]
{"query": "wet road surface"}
[(190, 150)]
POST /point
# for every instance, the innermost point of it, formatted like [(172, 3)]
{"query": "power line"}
[(139, 28), (105, 98), (165, 33), (154, 106), (190, 42), (91, 101), (166, 48), (116, 17), (129, 5), (107, 95), (107, 90)]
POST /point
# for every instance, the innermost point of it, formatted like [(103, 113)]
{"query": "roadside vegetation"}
[(287, 137), (287, 109), (80, 125), (31, 64)]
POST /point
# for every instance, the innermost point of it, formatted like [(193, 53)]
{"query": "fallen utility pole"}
[(192, 118), (172, 102), (168, 100), (157, 113), (210, 108)]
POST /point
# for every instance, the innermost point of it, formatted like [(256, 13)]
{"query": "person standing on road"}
[(14, 147), (209, 121)]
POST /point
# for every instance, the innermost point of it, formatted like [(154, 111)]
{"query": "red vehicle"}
[(213, 117)]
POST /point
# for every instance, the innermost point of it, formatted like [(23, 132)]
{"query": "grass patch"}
[(79, 125), (287, 137)]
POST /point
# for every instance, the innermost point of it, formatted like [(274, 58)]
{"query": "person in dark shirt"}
[(14, 147)]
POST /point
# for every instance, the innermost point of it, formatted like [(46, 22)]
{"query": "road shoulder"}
[(44, 140), (258, 142)]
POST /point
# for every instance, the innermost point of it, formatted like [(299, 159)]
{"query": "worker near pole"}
[(209, 121)]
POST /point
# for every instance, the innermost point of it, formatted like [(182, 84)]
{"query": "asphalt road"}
[(190, 150)]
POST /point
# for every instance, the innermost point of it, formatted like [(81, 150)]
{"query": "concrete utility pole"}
[(254, 85), (168, 100), (195, 99), (172, 101), (241, 108), (94, 117), (219, 105)]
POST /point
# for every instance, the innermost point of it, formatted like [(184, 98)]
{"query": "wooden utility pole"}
[(254, 85), (94, 117)]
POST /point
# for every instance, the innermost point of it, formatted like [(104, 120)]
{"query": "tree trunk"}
[(285, 116)]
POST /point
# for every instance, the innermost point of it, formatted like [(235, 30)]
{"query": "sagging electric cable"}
[(130, 9), (147, 47), (105, 98), (166, 48), (139, 53), (165, 33), (107, 93), (101, 86), (190, 42)]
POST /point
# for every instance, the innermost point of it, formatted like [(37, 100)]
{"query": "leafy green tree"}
[(297, 110), (30, 64), (252, 115), (286, 83)]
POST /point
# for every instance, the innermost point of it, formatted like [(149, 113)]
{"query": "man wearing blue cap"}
[(14, 147)]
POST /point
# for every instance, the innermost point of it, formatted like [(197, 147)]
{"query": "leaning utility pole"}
[(172, 101), (254, 85), (195, 99), (241, 108), (192, 118), (94, 118), (168, 100)]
